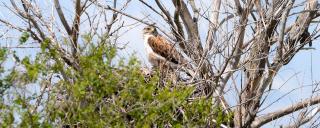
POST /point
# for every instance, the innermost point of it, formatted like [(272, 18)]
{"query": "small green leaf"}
[(44, 45), (24, 37), (3, 53)]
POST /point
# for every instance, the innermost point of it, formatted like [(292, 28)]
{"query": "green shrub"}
[(103, 93)]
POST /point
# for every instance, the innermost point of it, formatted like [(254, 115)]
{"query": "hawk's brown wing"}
[(162, 47)]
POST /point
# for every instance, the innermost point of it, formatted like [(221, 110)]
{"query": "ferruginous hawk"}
[(159, 49)]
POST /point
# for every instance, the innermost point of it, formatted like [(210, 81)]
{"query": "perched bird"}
[(159, 49)]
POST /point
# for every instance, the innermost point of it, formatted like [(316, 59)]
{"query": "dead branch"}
[(285, 111)]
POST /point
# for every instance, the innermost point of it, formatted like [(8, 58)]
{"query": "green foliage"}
[(24, 37), (104, 93), (32, 69), (44, 45), (118, 95), (6, 118), (3, 56)]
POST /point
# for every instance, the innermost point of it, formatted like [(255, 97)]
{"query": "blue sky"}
[(301, 72)]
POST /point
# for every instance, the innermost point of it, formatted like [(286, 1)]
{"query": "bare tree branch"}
[(285, 111), (62, 17)]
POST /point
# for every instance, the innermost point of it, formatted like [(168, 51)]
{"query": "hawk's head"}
[(150, 30)]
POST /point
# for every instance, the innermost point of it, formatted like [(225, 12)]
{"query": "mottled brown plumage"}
[(160, 46)]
